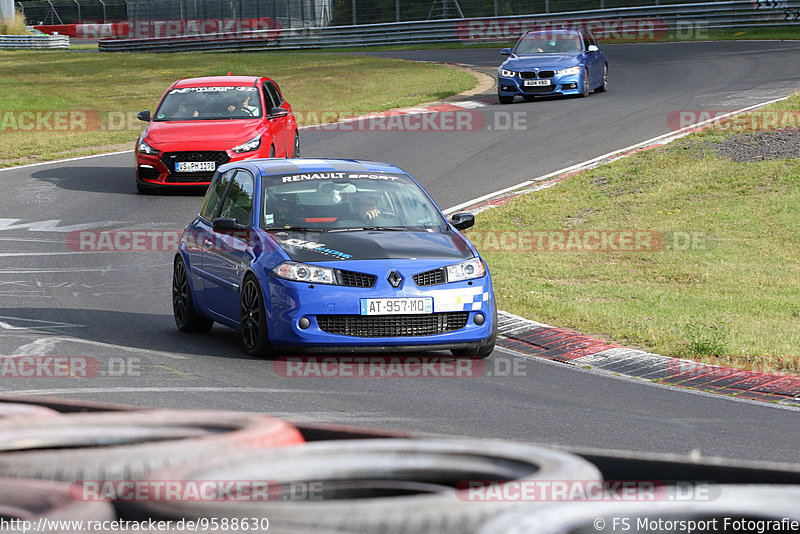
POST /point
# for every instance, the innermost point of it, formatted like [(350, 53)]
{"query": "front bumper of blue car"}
[(312, 317), (567, 84)]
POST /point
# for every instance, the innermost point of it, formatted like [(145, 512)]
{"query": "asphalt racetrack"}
[(116, 307)]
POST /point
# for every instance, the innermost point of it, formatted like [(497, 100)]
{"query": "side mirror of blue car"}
[(462, 221), (593, 48), (226, 224), (505, 52)]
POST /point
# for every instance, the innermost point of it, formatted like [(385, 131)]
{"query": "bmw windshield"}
[(209, 103), (548, 43), (347, 201)]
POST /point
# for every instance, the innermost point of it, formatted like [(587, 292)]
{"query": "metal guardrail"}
[(652, 22), (34, 41)]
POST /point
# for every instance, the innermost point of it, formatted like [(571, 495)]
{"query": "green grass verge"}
[(722, 289), (111, 88)]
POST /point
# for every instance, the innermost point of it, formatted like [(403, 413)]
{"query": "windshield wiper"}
[(297, 229), (363, 228)]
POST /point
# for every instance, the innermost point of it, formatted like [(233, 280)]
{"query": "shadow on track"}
[(115, 180)]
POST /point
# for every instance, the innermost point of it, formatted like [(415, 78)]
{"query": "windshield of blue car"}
[(209, 103), (348, 201), (550, 43)]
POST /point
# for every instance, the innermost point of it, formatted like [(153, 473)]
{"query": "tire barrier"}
[(129, 445), (30, 500), (718, 508), (13, 410), (375, 486)]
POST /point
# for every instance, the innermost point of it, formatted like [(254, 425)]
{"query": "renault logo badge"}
[(395, 279)]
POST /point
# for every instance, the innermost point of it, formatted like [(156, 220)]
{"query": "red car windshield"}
[(209, 103)]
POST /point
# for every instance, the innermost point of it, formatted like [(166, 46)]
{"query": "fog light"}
[(304, 323), (479, 318)]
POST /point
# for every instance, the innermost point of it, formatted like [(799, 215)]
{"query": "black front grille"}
[(539, 89), (169, 159), (546, 73), (352, 279), (429, 278), (527, 75), (392, 325)]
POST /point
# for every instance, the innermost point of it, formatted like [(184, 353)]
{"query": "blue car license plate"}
[(398, 306)]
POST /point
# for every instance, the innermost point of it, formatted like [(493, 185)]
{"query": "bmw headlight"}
[(507, 73), (466, 270), (571, 70), (144, 148), (249, 146), (303, 272)]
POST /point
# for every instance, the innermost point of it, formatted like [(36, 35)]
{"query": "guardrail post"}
[(7, 10), (354, 12)]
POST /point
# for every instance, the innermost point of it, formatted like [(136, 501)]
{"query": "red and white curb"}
[(558, 344)]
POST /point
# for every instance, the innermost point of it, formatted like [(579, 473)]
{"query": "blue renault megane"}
[(552, 62), (331, 255)]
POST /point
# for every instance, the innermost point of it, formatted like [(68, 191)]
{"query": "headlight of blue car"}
[(303, 272), (571, 70), (466, 270), (507, 73)]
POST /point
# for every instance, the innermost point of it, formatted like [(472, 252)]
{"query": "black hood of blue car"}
[(306, 246)]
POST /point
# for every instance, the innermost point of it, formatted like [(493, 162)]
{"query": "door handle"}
[(207, 242)]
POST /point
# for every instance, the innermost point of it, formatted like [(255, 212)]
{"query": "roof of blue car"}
[(269, 167)]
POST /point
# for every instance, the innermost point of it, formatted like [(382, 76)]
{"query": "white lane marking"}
[(79, 341), (79, 158), (664, 138), (52, 225), (40, 323), (40, 347)]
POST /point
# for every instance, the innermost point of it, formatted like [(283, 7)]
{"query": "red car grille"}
[(169, 159)]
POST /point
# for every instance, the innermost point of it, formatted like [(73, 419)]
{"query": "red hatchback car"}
[(202, 123)]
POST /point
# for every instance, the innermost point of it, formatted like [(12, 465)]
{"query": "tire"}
[(762, 502), (30, 500), (13, 410), (603, 88), (586, 83), (128, 446), (375, 485), (186, 317), (296, 148), (505, 99), (253, 319)]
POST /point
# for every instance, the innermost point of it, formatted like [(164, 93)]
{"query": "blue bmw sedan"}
[(552, 62), (331, 255)]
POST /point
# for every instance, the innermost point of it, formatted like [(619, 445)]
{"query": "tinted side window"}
[(214, 196), (268, 100), (276, 94), (238, 203)]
